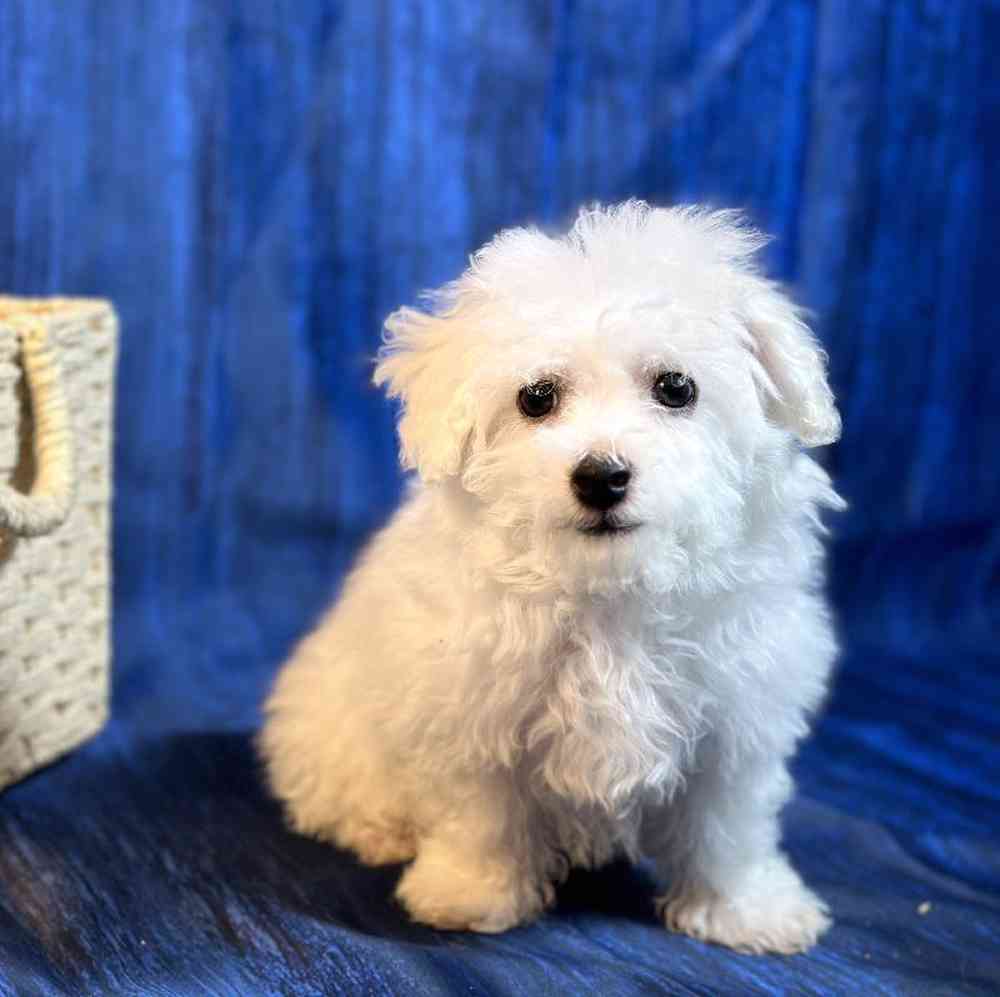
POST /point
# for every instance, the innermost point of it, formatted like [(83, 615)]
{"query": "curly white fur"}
[(497, 695)]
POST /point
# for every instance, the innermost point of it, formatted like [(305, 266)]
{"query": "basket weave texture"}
[(57, 361)]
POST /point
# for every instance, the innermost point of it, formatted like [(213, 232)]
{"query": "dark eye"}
[(675, 390), (538, 399)]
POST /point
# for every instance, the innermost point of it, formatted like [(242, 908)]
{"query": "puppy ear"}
[(798, 394), (421, 366)]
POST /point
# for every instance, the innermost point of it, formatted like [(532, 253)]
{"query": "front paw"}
[(785, 919), (455, 897)]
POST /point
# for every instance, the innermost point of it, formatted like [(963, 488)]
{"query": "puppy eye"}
[(675, 390), (538, 399)]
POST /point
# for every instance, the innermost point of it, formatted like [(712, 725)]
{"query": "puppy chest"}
[(613, 717)]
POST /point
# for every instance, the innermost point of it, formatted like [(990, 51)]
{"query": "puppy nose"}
[(600, 481)]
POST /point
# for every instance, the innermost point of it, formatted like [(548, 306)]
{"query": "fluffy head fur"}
[(500, 689), (628, 293)]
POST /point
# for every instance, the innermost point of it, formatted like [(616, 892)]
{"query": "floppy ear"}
[(799, 397), (422, 367)]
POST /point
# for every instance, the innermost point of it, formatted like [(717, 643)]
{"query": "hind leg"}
[(355, 807), (377, 839), (354, 811), (330, 773)]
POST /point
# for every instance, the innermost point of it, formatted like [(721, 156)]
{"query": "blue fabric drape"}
[(256, 184)]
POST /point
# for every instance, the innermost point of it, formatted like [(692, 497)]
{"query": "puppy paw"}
[(465, 898), (787, 921)]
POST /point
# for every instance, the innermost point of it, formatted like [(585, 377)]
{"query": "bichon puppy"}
[(596, 626)]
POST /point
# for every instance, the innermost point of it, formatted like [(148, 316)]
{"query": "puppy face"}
[(611, 392)]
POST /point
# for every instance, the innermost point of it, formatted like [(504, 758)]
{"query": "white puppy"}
[(596, 626)]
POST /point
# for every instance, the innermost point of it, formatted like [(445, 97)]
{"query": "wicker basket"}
[(57, 360)]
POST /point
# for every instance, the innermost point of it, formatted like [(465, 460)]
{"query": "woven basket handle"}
[(48, 503)]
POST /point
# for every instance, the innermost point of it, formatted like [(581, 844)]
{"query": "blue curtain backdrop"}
[(256, 184)]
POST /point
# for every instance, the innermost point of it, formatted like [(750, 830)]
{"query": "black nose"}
[(600, 482)]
